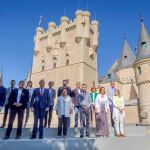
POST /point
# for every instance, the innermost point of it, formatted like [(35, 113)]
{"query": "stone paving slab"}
[(110, 143), (52, 132)]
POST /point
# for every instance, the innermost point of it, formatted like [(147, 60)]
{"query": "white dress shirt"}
[(79, 91), (19, 95)]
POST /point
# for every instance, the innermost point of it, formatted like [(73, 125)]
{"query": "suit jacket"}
[(40, 101), (23, 99), (8, 94), (60, 90), (64, 106), (2, 96), (84, 100), (75, 94), (52, 95)]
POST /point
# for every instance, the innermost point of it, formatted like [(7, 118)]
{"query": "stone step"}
[(75, 132), (110, 143)]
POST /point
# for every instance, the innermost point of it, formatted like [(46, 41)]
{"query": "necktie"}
[(41, 91)]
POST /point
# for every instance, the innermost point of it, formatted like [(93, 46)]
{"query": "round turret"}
[(64, 22), (95, 26), (79, 27)]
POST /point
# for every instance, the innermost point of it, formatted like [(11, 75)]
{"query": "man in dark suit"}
[(75, 94), (2, 95), (18, 100), (7, 105), (52, 93), (40, 103), (64, 86)]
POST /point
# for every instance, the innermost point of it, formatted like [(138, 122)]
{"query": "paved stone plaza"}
[(137, 138)]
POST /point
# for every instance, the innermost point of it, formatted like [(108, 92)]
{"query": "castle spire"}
[(127, 57), (28, 78), (143, 50)]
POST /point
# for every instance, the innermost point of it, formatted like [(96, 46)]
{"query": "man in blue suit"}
[(40, 103), (2, 96), (48, 115), (18, 100)]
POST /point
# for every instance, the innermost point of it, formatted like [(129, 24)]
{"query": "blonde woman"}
[(102, 108), (118, 113)]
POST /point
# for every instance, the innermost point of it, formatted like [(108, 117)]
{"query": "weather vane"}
[(40, 21)]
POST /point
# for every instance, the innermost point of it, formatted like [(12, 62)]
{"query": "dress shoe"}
[(122, 135), (33, 136), (6, 137), (87, 135), (40, 136), (58, 136), (64, 136), (3, 126), (84, 125), (18, 137), (118, 135), (81, 136)]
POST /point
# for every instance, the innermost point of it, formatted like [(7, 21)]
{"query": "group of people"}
[(92, 107)]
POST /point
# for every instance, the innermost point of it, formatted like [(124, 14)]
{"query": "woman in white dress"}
[(102, 109), (118, 114)]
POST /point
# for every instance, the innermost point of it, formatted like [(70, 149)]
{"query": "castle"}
[(132, 77), (67, 51)]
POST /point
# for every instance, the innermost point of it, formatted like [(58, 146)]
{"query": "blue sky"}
[(19, 19)]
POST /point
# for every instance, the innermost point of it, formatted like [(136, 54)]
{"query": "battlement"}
[(81, 23)]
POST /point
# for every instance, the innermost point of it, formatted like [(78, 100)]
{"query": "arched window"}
[(109, 76), (67, 62), (125, 57), (143, 44), (43, 67), (139, 70), (54, 65)]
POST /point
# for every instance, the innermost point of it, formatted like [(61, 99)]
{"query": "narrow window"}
[(144, 45), (67, 62), (92, 56), (109, 76), (125, 57), (43, 67), (54, 65), (139, 70)]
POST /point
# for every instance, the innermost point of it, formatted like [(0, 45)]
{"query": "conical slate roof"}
[(143, 50), (127, 57), (28, 78)]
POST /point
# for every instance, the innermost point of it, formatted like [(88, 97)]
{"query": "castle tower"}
[(142, 71), (51, 28), (67, 51), (127, 57)]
